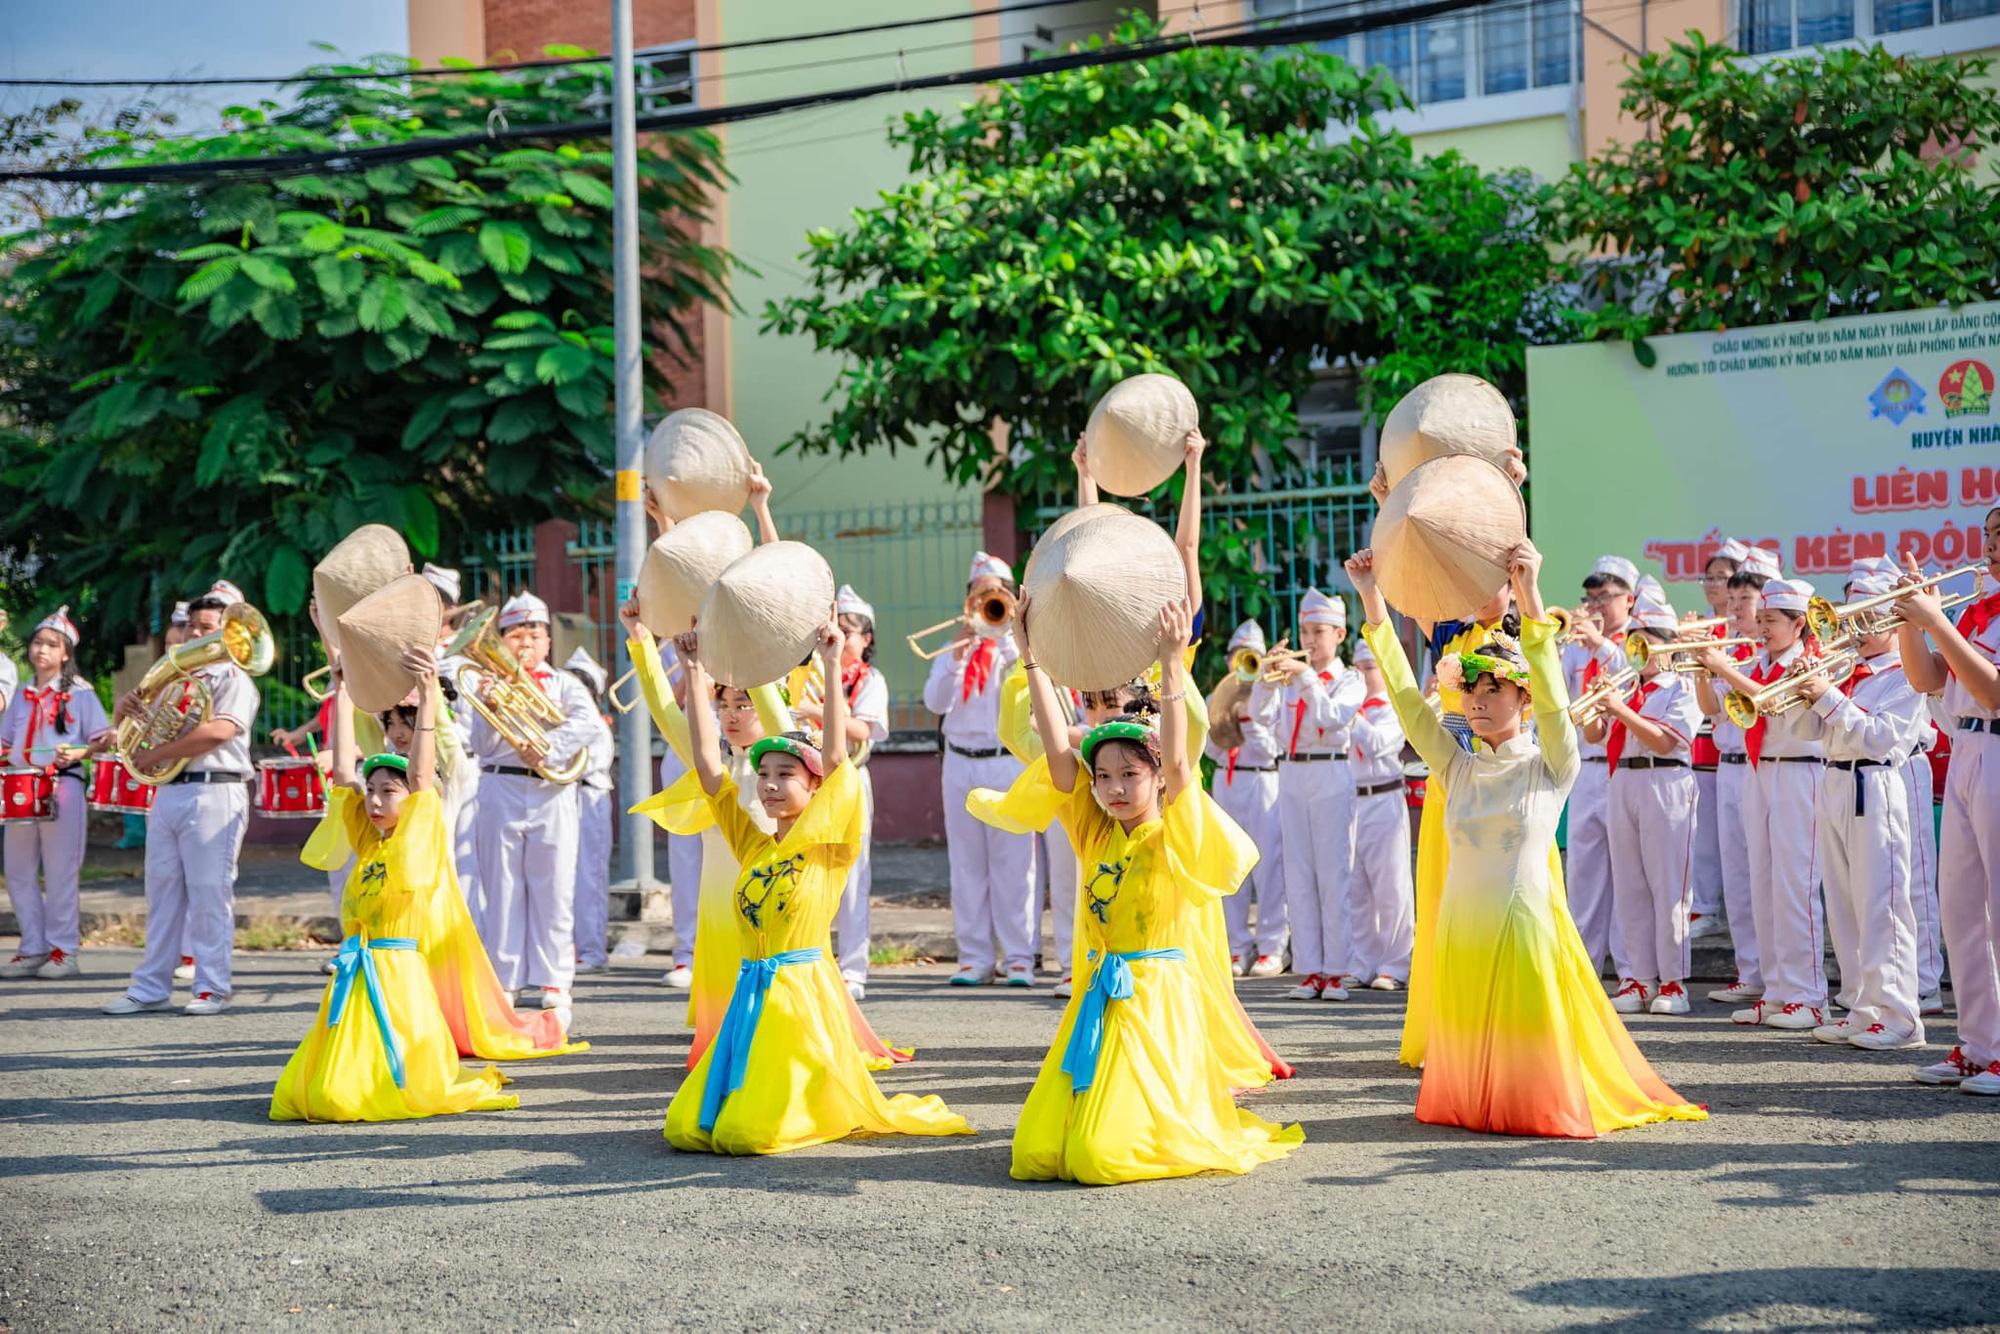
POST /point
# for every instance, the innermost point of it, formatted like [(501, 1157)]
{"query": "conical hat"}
[(363, 561), (1097, 589), (1136, 432), (682, 564), (696, 461), (1442, 539), (376, 630), (1224, 729), (761, 615), (1446, 414), (1063, 525)]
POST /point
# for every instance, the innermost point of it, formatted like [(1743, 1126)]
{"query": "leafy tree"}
[(225, 376), (1833, 184)]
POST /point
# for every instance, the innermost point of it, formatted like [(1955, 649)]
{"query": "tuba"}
[(176, 701), (512, 704)]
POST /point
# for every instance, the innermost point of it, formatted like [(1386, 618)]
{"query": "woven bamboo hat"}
[(695, 461), (1135, 433), (1068, 521), (760, 617), (681, 566), (1442, 539), (360, 563), (1097, 589), (1447, 414), (375, 631)]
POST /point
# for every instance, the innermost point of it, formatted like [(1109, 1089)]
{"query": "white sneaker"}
[(1840, 1002), (1952, 1069), (1836, 1033), (1017, 975), (206, 1003), (1385, 983), (968, 977), (126, 1005), (1267, 965), (582, 967), (327, 968), (1064, 989), (1673, 999), (554, 998), (59, 966), (1308, 989), (22, 965), (1986, 1083), (1931, 1004), (1877, 1037), (1754, 1016), (1334, 990), (184, 970), (1794, 1015), (1236, 965), (1736, 993), (1631, 996), (1707, 924), (1349, 982), (680, 977), (527, 995), (857, 991)]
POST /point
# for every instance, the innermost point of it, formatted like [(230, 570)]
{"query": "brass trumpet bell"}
[(987, 614), (502, 692), (171, 713), (1639, 650), (1878, 615), (1783, 695)]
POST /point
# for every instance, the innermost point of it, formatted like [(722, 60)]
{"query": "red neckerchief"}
[(979, 666), (44, 706), (1753, 735), (1614, 744), (1299, 715), (1972, 622), (1861, 673), (852, 674), (1373, 701), (1594, 669), (1229, 771)]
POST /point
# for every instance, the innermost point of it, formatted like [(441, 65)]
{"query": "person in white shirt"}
[(1382, 899), (194, 833), (992, 873), (1710, 906), (1650, 814), (50, 724), (1310, 713), (1732, 773), (593, 824), (527, 825), (1596, 651), (1246, 787)]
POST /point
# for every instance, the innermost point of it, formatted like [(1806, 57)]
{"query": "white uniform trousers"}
[(1650, 816), (1706, 869), (1315, 808), (1734, 845), (593, 873), (1923, 873), (1781, 825), (850, 917), (1587, 863), (1251, 799), (1969, 889), (1865, 860), (992, 873), (1053, 851), (527, 876), (683, 872), (1383, 924), (193, 835), (44, 859), (465, 845)]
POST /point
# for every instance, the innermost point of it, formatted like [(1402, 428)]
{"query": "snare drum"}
[(26, 794), (290, 788), (113, 788)]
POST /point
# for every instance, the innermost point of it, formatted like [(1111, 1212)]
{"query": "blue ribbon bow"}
[(729, 1058), (355, 957), (1112, 981)]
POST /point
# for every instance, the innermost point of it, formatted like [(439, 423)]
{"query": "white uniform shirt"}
[(597, 773), (1795, 732), (1330, 699), (1673, 706), (580, 724), (232, 696), (1260, 747), (1576, 660), (871, 705), (1883, 719), (1958, 701), (1378, 744), (10, 680), (1728, 736), (83, 717), (969, 724)]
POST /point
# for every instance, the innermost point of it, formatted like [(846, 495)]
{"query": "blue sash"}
[(729, 1058), (1112, 981), (355, 957)]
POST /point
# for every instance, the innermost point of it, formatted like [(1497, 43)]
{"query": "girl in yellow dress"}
[(1522, 1039), (784, 1070), (379, 1048), (1131, 1089)]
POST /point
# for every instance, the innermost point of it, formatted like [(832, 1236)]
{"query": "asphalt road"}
[(142, 1187)]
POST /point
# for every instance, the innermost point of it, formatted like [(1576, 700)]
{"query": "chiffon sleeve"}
[(420, 849), (683, 808), (831, 821), (1208, 853), (746, 841), (1440, 751), (345, 830), (1553, 729)]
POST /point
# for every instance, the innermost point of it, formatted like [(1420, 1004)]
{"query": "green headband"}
[(1118, 729), (792, 746), (385, 761), (1472, 666)]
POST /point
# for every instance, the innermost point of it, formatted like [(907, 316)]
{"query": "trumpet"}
[(611, 692), (1639, 650), (1567, 620), (1702, 626), (1267, 665), (1783, 695), (988, 615), (176, 701), (1244, 662), (511, 703), (1595, 702), (315, 693), (1878, 615)]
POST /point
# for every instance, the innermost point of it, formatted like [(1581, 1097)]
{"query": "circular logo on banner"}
[(1897, 397), (1966, 388)]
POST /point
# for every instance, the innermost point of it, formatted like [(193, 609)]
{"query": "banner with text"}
[(1824, 441)]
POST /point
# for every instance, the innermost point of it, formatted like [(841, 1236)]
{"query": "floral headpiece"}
[(792, 746), (1460, 670)]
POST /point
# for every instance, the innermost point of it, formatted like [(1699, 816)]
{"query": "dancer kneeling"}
[(380, 1049), (784, 1070), (1131, 1090), (1523, 1040)]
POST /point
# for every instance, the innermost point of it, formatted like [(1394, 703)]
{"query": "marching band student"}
[(50, 725), (1706, 868), (1246, 787), (1921, 783), (1597, 650), (1780, 807), (1966, 666), (992, 872), (1649, 815), (1310, 714), (194, 833), (1382, 920), (1731, 774), (593, 824), (527, 825), (175, 633)]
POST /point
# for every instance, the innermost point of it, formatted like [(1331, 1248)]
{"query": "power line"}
[(1251, 33)]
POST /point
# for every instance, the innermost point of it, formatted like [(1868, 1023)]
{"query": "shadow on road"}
[(1777, 1299)]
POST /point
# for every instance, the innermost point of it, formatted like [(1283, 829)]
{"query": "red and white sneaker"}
[(1737, 993), (1986, 1083), (554, 998), (1794, 1015), (1836, 1033), (1878, 1037), (1931, 1004), (184, 971), (61, 964), (1267, 965), (206, 1002), (1754, 1016), (1236, 965), (22, 965), (1336, 990), (1673, 999), (1308, 989), (1631, 996), (1953, 1069)]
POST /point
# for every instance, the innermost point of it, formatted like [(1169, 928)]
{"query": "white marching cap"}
[(1618, 568), (1654, 614), (444, 580), (581, 661), (225, 592), (984, 565), (1787, 595), (524, 608), (60, 622), (1733, 549), (847, 602), (1764, 561), (1248, 635), (1316, 608)]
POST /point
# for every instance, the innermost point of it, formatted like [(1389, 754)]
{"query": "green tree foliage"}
[(1839, 183), (224, 377), (1187, 214)]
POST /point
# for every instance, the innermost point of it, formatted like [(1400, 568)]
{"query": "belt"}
[(992, 754), (1732, 757), (208, 776), (1111, 981), (729, 1058), (1990, 726), (1650, 762), (1860, 788), (1313, 759), (1379, 788), (512, 771), (356, 957), (1790, 759), (1256, 768), (1597, 759), (1704, 768)]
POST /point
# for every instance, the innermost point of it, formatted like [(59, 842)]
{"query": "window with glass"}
[(1510, 46), (1783, 25)]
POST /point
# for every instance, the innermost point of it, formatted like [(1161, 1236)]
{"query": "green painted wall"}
[(1541, 145)]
